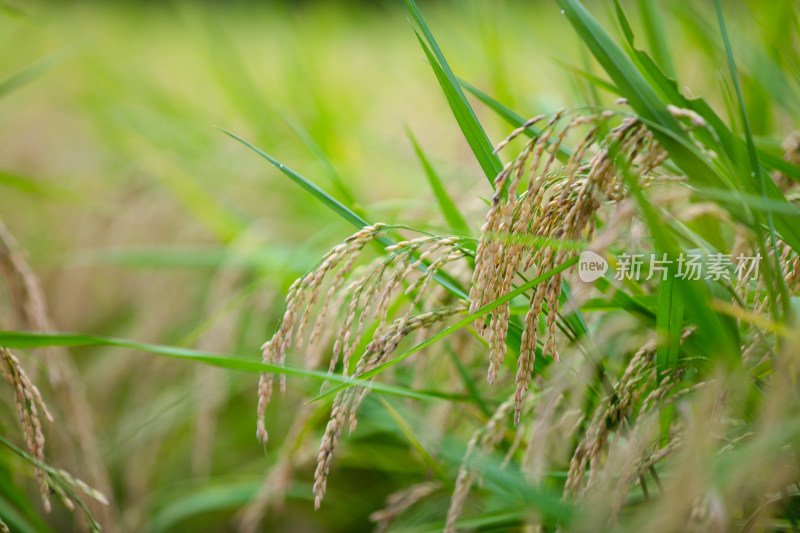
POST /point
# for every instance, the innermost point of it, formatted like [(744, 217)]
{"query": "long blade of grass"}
[(24, 340), (467, 379), (668, 88), (669, 321), (31, 72), (15, 509), (512, 117), (622, 71), (339, 208), (31, 186), (752, 153), (776, 162), (654, 31), (318, 193), (720, 337), (594, 80), (462, 110), (446, 204), (202, 500), (321, 157), (731, 146), (483, 311), (669, 318)]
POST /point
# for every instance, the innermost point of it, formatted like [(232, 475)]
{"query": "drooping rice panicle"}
[(29, 403), (303, 294), (559, 204), (347, 402)]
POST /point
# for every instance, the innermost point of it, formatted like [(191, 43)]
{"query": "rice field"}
[(446, 266)]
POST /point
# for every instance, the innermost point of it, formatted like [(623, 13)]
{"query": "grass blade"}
[(512, 117), (755, 166), (28, 185), (23, 340), (649, 106), (345, 212), (719, 336), (654, 31), (465, 116), (322, 158), (669, 319), (203, 500), (339, 208), (446, 204), (595, 82), (469, 383), (31, 72)]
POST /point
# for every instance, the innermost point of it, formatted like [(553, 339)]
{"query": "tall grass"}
[(654, 402)]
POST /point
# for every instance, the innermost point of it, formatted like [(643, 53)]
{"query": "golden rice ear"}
[(560, 203), (28, 402), (31, 308), (560, 200), (332, 433), (373, 291), (347, 402), (305, 292)]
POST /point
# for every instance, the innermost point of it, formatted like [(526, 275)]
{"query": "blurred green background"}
[(145, 221)]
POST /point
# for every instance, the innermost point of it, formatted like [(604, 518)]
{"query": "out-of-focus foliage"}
[(143, 220)]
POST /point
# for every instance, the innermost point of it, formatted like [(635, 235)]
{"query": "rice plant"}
[(645, 165)]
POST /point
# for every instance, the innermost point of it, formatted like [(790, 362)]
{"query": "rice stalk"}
[(31, 309)]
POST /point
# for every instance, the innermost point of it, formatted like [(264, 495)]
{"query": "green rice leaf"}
[(669, 320), (199, 501), (446, 204), (649, 106), (594, 80), (323, 159), (31, 72), (755, 165), (16, 339), (462, 110), (29, 185), (512, 117), (339, 208), (716, 334), (654, 32)]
